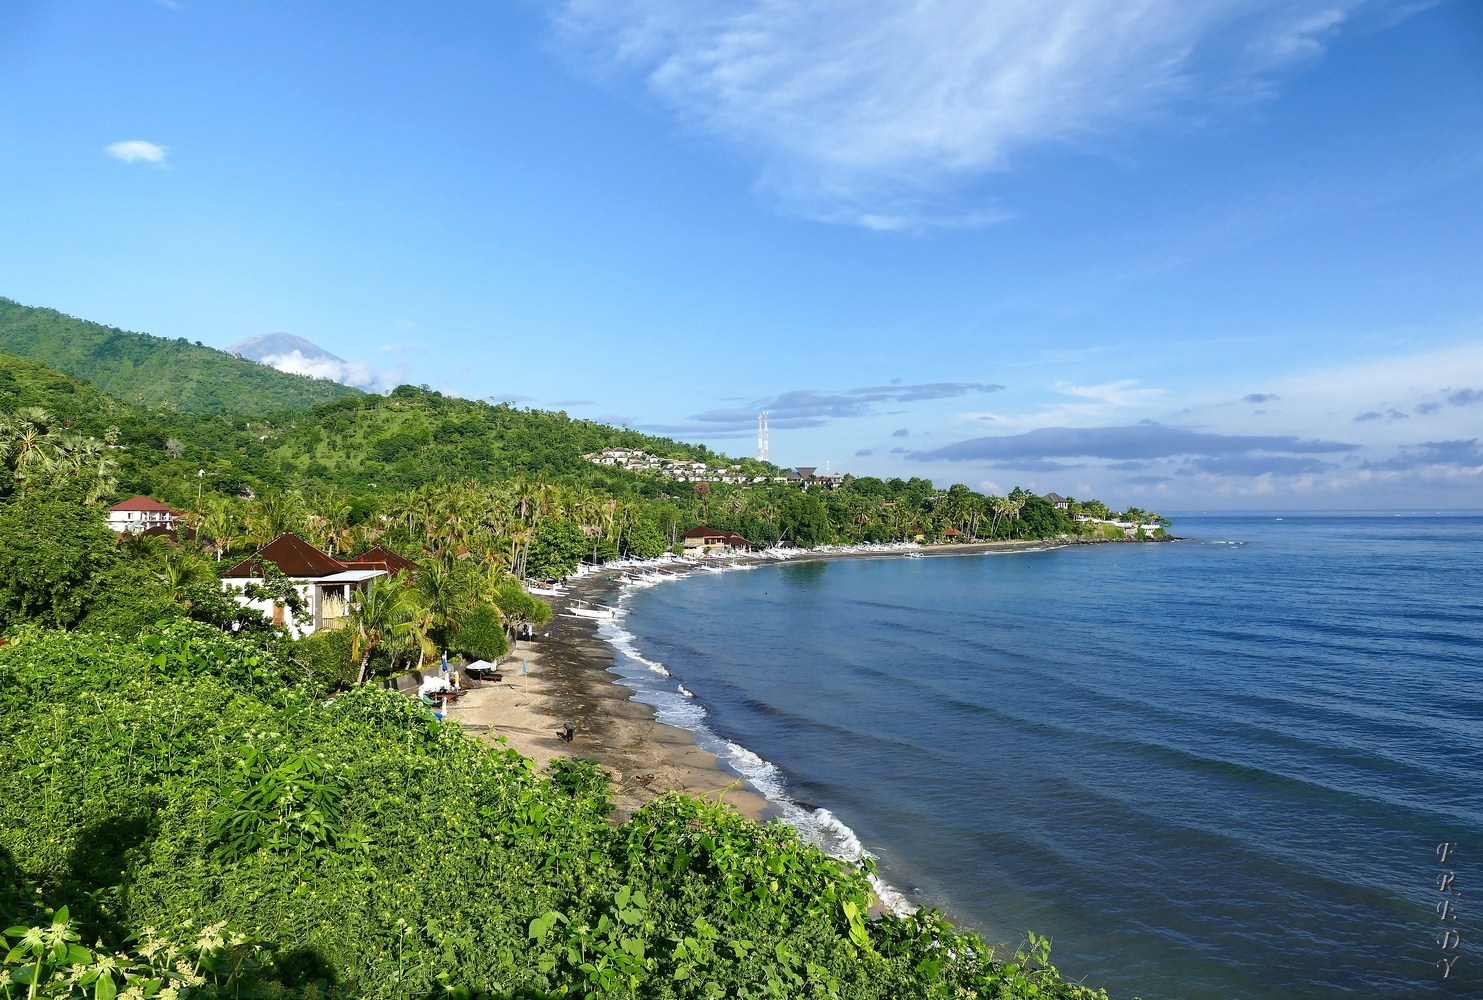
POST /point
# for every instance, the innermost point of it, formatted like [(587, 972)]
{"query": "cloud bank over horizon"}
[(796, 409)]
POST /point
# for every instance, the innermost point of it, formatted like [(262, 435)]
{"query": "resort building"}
[(808, 475), (679, 469), (139, 514), (1057, 501), (702, 540), (323, 583)]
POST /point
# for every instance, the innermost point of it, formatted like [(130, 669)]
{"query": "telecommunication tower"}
[(762, 436)]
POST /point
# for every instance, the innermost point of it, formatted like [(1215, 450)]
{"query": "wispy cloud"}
[(876, 113), (1139, 442), (1458, 456), (137, 151), (1101, 403), (797, 408)]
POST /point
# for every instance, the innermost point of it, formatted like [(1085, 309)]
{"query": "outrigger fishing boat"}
[(599, 612)]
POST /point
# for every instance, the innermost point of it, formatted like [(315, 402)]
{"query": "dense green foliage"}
[(171, 782), (53, 554), (152, 371)]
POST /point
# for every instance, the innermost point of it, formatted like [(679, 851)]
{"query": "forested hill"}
[(415, 436), (361, 444), (152, 371)]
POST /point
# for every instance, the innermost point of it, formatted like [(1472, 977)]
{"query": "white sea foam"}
[(622, 640), (678, 706)]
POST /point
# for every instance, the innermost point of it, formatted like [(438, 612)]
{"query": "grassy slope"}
[(152, 371)]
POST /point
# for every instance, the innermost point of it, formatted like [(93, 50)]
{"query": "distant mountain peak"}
[(278, 345), (289, 353)]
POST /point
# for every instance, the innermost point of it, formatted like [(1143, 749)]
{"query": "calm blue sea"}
[(1216, 768)]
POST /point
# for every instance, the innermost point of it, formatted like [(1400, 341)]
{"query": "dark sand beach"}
[(563, 676), (566, 679)]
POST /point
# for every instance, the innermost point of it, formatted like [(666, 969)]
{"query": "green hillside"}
[(32, 383), (155, 372), (411, 438), (416, 436)]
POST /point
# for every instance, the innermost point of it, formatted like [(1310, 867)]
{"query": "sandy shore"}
[(566, 679)]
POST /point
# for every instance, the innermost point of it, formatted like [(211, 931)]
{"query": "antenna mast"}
[(762, 436)]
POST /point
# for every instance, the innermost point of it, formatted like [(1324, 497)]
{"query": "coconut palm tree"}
[(374, 614), (216, 525), (442, 593), (273, 513)]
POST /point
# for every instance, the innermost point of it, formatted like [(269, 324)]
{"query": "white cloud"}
[(1105, 402), (876, 112), (1326, 400), (353, 373), (137, 151), (1119, 393)]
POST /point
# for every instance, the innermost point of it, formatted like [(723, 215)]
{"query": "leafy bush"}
[(52, 549), (176, 779), (325, 657), (483, 634)]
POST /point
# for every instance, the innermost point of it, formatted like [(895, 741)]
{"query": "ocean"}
[(1223, 767)]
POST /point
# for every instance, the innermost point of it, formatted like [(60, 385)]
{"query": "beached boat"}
[(600, 612)]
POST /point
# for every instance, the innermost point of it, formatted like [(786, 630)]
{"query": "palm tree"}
[(217, 525), (180, 570), (443, 595), (374, 613), (1016, 503), (1003, 508), (275, 512)]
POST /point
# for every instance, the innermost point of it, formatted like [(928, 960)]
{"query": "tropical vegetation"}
[(199, 805)]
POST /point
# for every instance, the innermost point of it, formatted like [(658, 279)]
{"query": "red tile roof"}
[(293, 556), (380, 557), (142, 503)]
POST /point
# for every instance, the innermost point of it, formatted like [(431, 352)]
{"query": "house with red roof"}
[(380, 557), (139, 514), (324, 583), (703, 539)]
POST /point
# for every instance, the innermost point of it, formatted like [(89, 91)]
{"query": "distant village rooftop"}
[(691, 471)]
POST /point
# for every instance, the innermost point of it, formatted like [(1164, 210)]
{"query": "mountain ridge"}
[(157, 372), (272, 345)]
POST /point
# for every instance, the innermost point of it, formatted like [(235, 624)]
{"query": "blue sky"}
[(1177, 254)]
